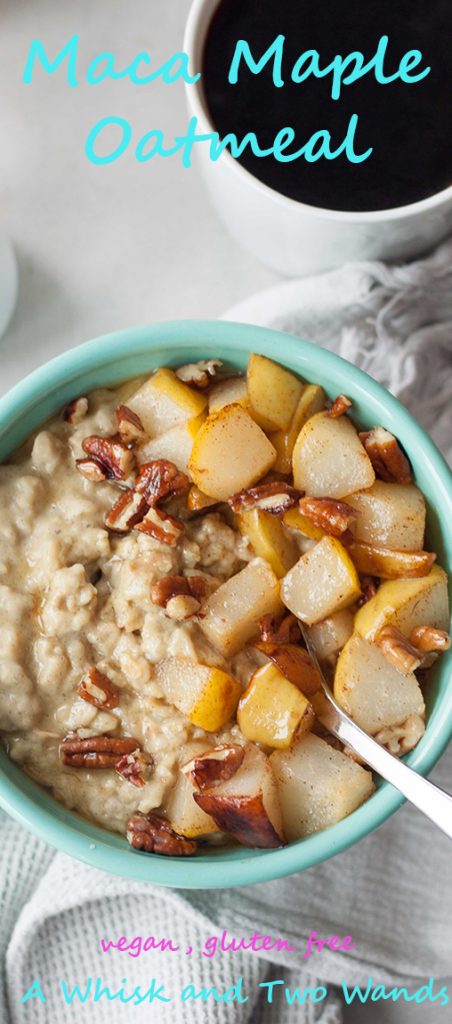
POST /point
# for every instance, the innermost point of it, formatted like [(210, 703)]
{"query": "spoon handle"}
[(428, 798)]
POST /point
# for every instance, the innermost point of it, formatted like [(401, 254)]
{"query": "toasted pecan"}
[(398, 650), (159, 480), (91, 469), (199, 375), (215, 766), (275, 497), (95, 751), (153, 834), (126, 512), (403, 736), (175, 586), (335, 517), (340, 406), (279, 629), (76, 410), (161, 526), (130, 427), (388, 460), (135, 767), (428, 639), (96, 688), (116, 459)]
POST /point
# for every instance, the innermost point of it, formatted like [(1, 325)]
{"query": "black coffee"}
[(409, 126)]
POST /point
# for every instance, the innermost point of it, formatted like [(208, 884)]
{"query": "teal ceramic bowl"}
[(126, 354)]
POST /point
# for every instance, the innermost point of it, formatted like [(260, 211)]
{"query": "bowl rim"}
[(97, 846)]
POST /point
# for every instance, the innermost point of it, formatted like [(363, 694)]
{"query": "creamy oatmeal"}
[(158, 543)]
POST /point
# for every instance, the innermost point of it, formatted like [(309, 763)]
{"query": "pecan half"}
[(369, 587), (340, 406), (200, 374), (294, 663), (153, 834), (398, 650), (428, 639), (275, 497), (399, 739), (95, 751), (75, 411), (388, 460), (215, 766), (335, 517), (96, 688), (126, 512), (135, 767), (175, 586), (279, 629), (161, 527), (130, 427), (116, 459), (159, 480), (91, 469)]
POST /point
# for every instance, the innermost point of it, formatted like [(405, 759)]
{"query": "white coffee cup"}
[(289, 236)]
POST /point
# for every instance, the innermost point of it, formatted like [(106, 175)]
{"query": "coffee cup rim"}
[(198, 19)]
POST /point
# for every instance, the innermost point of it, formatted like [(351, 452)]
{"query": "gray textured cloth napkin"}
[(392, 892)]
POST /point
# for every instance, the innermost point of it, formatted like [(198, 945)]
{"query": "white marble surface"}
[(101, 248)]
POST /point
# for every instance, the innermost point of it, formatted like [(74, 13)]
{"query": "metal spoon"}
[(428, 798)]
